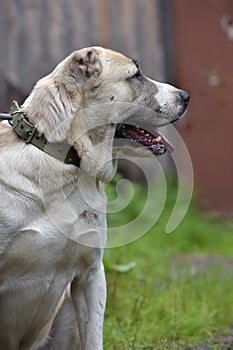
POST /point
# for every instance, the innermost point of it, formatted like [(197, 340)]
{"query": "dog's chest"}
[(33, 255), (63, 239)]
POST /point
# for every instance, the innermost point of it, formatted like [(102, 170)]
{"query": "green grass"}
[(181, 290)]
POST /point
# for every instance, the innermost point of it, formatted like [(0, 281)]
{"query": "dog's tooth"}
[(147, 134), (158, 139)]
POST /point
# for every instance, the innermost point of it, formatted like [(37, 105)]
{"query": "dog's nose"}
[(185, 96)]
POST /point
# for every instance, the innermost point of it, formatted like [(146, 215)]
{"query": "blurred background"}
[(179, 291), (184, 42)]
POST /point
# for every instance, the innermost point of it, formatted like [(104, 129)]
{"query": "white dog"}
[(54, 162)]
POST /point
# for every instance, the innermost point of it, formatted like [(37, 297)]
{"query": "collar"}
[(29, 134)]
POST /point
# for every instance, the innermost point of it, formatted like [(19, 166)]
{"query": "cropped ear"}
[(85, 65)]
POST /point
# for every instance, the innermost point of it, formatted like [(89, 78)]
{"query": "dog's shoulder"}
[(7, 136)]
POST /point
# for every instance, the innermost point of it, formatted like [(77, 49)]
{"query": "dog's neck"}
[(29, 134), (51, 115), (63, 120)]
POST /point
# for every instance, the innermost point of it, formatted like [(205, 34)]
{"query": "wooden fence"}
[(36, 34)]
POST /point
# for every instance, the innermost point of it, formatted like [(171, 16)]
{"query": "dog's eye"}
[(137, 75)]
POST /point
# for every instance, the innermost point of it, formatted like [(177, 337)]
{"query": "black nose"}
[(185, 96)]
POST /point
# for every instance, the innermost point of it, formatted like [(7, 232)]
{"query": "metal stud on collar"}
[(30, 135)]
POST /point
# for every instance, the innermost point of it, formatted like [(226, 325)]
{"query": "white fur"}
[(52, 223)]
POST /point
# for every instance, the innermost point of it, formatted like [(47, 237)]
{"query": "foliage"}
[(180, 291)]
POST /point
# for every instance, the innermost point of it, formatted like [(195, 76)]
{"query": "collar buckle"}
[(23, 127), (29, 134)]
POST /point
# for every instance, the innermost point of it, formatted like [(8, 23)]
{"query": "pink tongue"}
[(168, 145)]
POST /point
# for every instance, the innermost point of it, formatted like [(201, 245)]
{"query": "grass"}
[(169, 291)]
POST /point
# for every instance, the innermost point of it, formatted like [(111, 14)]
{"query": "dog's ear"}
[(85, 65)]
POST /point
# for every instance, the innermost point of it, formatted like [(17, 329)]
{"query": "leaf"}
[(120, 267)]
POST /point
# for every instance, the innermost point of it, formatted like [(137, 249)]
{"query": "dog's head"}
[(102, 95)]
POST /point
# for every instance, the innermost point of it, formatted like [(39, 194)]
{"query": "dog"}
[(53, 210)]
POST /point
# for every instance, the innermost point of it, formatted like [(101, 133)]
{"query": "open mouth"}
[(155, 143)]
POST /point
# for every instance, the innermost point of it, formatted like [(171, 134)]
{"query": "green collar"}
[(29, 134)]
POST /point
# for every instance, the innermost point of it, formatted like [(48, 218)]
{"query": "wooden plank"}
[(69, 19), (103, 14), (115, 28), (41, 33), (151, 45), (80, 32), (12, 44), (30, 44), (127, 27), (3, 53), (203, 66), (56, 26)]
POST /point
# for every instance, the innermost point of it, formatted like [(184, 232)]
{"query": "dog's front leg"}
[(88, 293)]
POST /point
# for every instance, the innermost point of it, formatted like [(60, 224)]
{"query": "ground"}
[(171, 291)]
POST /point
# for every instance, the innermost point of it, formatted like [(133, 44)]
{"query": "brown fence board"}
[(35, 35), (203, 65)]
